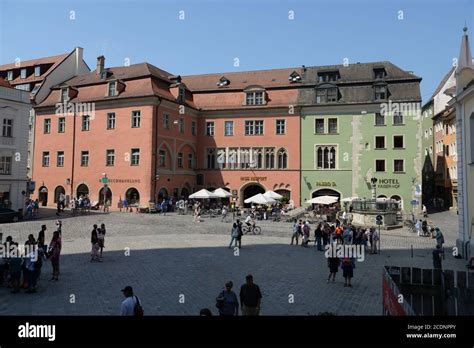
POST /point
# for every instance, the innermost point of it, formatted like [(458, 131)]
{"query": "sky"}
[(203, 36)]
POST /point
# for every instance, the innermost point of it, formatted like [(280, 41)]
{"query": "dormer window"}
[(294, 77), (112, 88), (10, 75), (64, 94), (380, 73), (181, 94), (327, 94), (381, 92), (23, 73), (254, 98), (37, 70), (223, 81), (328, 76)]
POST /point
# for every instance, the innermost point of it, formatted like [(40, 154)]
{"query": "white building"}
[(464, 103), (14, 118)]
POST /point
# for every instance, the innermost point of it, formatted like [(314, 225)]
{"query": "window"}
[(380, 92), (426, 133), (398, 142), (166, 121), (5, 165), (254, 98), (64, 94), (211, 158), (280, 127), (379, 73), (397, 119), (86, 122), (270, 158), (190, 161), (110, 158), (84, 158), (319, 126), (112, 88), (328, 76), (60, 159), (47, 126), (23, 73), (10, 75), (135, 157), (332, 125), (7, 127), (380, 165), (61, 125), (380, 142), (431, 131), (210, 129), (37, 70), (253, 127), (46, 159), (162, 158), (326, 95), (229, 128), (181, 94), (136, 117), (325, 156), (193, 128), (181, 125), (379, 119), (282, 159), (24, 87), (180, 160), (111, 120), (398, 166)]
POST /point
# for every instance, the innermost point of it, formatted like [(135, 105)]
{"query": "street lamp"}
[(105, 181)]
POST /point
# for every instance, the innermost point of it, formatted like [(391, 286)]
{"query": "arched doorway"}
[(162, 194), (399, 200), (57, 192), (326, 192), (43, 196), (132, 195), (286, 195), (82, 190), (108, 195), (249, 191), (184, 193)]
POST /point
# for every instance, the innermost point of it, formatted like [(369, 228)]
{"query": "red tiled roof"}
[(4, 83)]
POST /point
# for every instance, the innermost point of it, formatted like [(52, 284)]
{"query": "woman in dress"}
[(101, 238), (54, 254)]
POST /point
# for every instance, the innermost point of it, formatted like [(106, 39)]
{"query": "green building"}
[(359, 122)]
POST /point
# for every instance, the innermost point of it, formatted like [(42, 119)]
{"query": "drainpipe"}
[(73, 152)]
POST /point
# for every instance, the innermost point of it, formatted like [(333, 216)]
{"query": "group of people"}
[(31, 208), (21, 266), (97, 242)]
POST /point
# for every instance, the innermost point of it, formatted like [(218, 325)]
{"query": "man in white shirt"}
[(128, 305)]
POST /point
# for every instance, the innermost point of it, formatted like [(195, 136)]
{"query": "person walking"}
[(101, 238), (296, 231), (333, 264), (318, 235), (250, 297), (30, 260), (418, 227), (438, 257), (306, 232), (347, 271), (227, 301), (439, 237), (241, 233), (234, 235), (95, 245), (374, 239), (54, 254), (131, 306), (41, 237)]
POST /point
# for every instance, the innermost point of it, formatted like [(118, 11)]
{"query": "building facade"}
[(360, 122), (464, 105), (428, 155), (14, 117)]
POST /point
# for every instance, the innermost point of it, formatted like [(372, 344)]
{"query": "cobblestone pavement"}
[(177, 267)]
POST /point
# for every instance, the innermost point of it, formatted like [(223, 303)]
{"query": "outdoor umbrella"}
[(325, 200), (349, 199), (203, 194), (220, 192), (260, 199), (272, 194)]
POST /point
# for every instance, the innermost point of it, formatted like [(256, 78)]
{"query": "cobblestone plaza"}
[(177, 267)]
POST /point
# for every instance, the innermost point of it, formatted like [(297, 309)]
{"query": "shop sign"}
[(121, 181), (388, 183), (326, 183), (253, 178)]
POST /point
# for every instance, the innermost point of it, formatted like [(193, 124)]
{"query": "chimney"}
[(78, 58), (100, 65)]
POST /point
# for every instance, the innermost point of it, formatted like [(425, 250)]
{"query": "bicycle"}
[(256, 230)]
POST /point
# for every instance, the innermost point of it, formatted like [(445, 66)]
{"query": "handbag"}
[(138, 310), (220, 300)]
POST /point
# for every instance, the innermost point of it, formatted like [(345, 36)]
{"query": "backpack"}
[(138, 310)]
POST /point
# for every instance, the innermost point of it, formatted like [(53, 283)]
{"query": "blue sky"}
[(258, 32)]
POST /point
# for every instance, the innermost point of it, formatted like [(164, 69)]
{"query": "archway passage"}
[(132, 195), (43, 196), (326, 192), (107, 193), (249, 191), (82, 190), (57, 193), (162, 194)]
